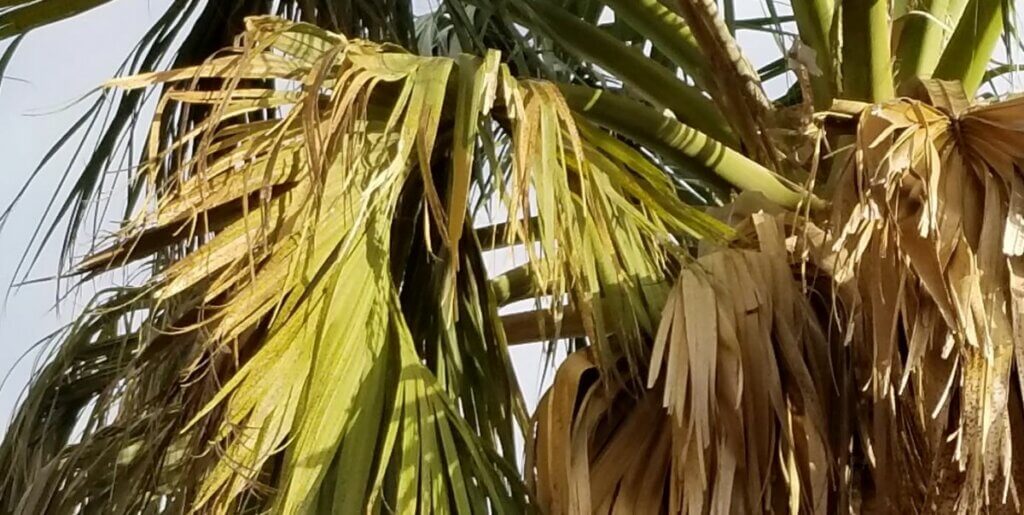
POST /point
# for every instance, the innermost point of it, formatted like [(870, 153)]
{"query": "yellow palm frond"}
[(292, 251)]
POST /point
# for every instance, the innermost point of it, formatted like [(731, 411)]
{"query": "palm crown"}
[(807, 304)]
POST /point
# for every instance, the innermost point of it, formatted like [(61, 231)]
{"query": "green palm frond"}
[(291, 254), (21, 16), (794, 304)]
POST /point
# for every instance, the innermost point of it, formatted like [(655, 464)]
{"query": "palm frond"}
[(290, 255), (21, 16), (740, 366), (186, 34), (931, 205), (315, 328)]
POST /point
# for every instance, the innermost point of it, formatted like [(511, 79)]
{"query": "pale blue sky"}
[(57, 65), (53, 66)]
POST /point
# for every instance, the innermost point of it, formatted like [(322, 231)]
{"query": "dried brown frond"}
[(926, 259), (735, 418)]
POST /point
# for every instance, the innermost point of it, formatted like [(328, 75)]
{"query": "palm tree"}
[(813, 303)]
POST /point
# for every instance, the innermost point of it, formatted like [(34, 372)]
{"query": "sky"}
[(57, 65), (53, 67)]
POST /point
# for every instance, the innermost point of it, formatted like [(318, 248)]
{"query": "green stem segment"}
[(921, 43), (970, 48), (667, 31), (681, 143), (814, 21), (653, 81), (867, 59), (492, 237), (516, 284)]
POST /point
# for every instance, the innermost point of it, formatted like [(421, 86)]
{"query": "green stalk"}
[(667, 31), (539, 326), (921, 43), (492, 237), (954, 13), (514, 285), (814, 21), (970, 48), (653, 81), (867, 68), (680, 143)]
